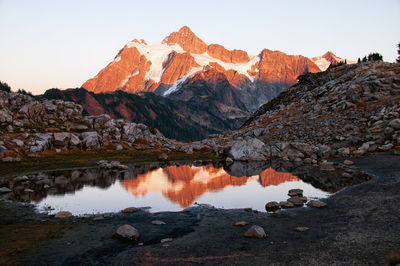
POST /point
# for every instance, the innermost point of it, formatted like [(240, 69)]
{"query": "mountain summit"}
[(182, 56)]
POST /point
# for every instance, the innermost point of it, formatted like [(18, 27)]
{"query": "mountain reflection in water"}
[(184, 184), (166, 188)]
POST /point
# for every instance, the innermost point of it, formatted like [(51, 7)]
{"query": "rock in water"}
[(163, 157), (301, 229), (295, 192), (255, 232), (316, 204), (129, 210), (63, 215), (296, 201), (127, 232), (158, 222), (272, 206)]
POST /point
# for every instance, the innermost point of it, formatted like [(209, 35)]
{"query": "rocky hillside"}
[(192, 119), (30, 127), (184, 57), (349, 110)]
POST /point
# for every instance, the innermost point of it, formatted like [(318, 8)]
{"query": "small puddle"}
[(168, 188)]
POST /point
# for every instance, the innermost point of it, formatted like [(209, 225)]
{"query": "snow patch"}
[(157, 54), (242, 68), (127, 79), (174, 87), (321, 63)]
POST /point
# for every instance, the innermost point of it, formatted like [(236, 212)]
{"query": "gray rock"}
[(119, 147), (252, 148), (74, 140), (91, 140), (286, 204), (5, 190), (163, 157), (395, 123), (316, 204), (61, 138), (19, 142), (255, 232), (348, 162), (127, 232)]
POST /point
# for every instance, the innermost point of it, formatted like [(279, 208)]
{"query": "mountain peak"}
[(187, 40), (329, 56)]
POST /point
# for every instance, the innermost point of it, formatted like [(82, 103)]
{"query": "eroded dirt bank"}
[(359, 227)]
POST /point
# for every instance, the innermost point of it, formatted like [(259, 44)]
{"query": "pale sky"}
[(60, 44)]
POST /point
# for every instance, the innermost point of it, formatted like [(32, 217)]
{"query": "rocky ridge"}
[(349, 110), (31, 127)]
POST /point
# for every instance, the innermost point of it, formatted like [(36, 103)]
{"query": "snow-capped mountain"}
[(324, 61), (162, 68)]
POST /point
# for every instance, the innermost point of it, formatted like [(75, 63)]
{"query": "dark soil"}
[(360, 226)]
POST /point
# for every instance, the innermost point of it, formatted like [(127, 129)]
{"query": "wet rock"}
[(286, 204), (242, 223), (228, 161), (98, 218), (272, 206), (127, 232), (316, 204), (129, 210), (295, 192), (158, 222), (301, 229), (255, 231), (296, 201), (63, 215), (163, 157), (347, 175), (165, 240)]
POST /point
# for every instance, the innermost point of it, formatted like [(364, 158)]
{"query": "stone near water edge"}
[(255, 231), (242, 223), (119, 147), (164, 240), (348, 162), (228, 160), (286, 204), (163, 157), (98, 218), (158, 222), (316, 204), (385, 147), (128, 232), (347, 175), (129, 210), (295, 192), (296, 201), (301, 229), (63, 215), (272, 206)]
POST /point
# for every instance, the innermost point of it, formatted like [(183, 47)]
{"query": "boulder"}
[(255, 232), (91, 140), (295, 192), (272, 206), (5, 190), (163, 157), (395, 123), (61, 138), (127, 232), (158, 222), (296, 201), (251, 148), (286, 204), (129, 210)]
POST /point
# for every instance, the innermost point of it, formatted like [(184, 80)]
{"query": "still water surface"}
[(169, 188)]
